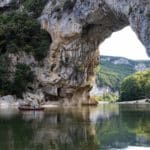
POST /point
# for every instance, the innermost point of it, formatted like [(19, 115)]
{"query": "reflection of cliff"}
[(87, 128), (67, 129), (104, 112), (66, 137), (130, 127), (57, 129), (8, 113)]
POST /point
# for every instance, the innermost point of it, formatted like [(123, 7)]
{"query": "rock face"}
[(77, 27)]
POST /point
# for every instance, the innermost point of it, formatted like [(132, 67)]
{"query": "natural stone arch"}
[(77, 27)]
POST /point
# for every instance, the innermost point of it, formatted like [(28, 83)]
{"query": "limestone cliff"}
[(76, 28)]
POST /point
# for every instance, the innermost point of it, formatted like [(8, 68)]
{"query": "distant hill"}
[(138, 65), (112, 70)]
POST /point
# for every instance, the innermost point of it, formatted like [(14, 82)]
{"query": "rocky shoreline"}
[(12, 101)]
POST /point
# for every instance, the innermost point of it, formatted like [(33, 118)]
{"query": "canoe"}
[(30, 108)]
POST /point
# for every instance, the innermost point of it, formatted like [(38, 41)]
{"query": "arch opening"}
[(124, 43), (121, 55)]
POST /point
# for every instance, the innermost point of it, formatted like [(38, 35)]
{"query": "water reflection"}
[(89, 128), (33, 115), (8, 113), (103, 112)]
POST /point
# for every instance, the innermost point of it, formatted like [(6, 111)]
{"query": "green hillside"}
[(112, 70)]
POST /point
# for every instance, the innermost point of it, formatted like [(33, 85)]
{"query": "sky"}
[(124, 43)]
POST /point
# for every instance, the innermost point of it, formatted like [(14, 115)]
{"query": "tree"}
[(23, 76), (136, 86)]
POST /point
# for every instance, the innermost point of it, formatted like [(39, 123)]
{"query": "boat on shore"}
[(30, 108)]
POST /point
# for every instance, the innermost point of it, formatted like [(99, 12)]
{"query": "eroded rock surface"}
[(77, 27)]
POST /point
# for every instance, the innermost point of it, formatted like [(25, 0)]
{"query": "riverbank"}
[(142, 101), (11, 101)]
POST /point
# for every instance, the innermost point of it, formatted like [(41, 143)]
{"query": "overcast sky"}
[(124, 43)]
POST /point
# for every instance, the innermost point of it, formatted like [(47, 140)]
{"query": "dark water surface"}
[(103, 127)]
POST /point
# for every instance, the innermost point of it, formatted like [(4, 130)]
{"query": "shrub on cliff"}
[(17, 85), (23, 76), (21, 32), (5, 84), (34, 6)]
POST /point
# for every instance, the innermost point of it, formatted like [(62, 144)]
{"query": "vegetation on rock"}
[(23, 76), (16, 86), (4, 75), (34, 7), (107, 78), (109, 97), (110, 74), (20, 31)]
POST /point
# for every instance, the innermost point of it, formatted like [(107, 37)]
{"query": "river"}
[(104, 127)]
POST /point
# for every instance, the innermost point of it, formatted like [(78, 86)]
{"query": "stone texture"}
[(35, 99), (77, 27)]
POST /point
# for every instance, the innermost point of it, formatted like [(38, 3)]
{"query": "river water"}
[(105, 127)]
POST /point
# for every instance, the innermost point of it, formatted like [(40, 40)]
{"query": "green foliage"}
[(16, 86), (122, 70), (21, 32), (136, 86), (4, 75), (23, 76), (108, 78), (34, 6), (110, 74), (109, 97)]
